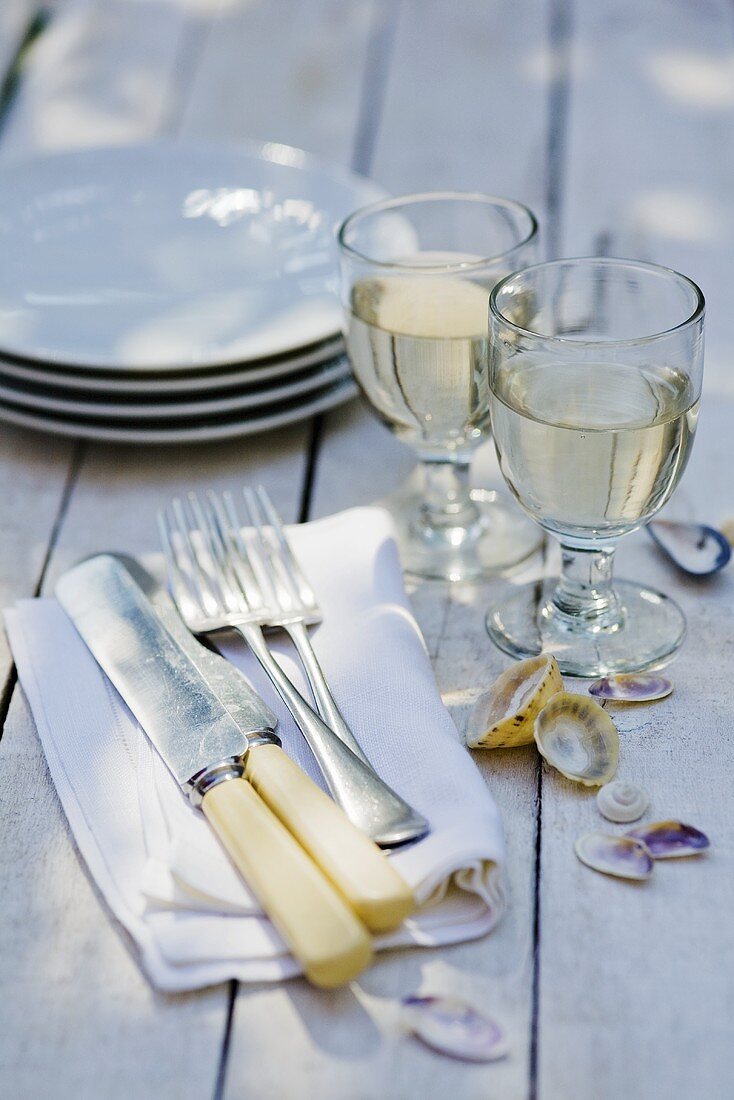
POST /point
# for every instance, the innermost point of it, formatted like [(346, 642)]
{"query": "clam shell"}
[(632, 687), (693, 547), (503, 717), (670, 839), (621, 856), (621, 801), (578, 737), (453, 1027)]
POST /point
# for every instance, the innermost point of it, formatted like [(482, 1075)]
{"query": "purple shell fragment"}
[(621, 856), (670, 839), (632, 687), (693, 547), (451, 1026)]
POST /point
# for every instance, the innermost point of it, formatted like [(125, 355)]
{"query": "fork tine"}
[(230, 555), (257, 578), (269, 581), (208, 564), (180, 582), (287, 594), (303, 590), (199, 583)]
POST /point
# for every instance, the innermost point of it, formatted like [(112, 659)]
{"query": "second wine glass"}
[(416, 277)]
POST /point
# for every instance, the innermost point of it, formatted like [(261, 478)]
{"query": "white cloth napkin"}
[(153, 857)]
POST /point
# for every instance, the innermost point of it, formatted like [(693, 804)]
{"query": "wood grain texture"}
[(429, 137), (104, 72), (16, 17), (636, 984), (634, 994), (648, 155), (77, 1019)]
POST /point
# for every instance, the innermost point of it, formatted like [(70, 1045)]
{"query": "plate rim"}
[(315, 378), (269, 151), (336, 394)]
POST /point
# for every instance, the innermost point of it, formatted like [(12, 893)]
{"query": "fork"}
[(216, 588), (293, 605)]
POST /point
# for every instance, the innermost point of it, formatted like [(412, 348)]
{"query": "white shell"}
[(621, 856), (578, 737), (503, 716), (453, 1027), (632, 687), (622, 801)]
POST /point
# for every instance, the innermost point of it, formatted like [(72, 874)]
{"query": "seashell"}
[(621, 801), (727, 530), (503, 717), (693, 547), (615, 855), (632, 687), (578, 737), (670, 839), (453, 1027)]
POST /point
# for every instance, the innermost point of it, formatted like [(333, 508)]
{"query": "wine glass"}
[(595, 372), (416, 275)]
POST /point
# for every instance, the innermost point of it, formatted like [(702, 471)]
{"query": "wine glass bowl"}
[(416, 276), (595, 377)]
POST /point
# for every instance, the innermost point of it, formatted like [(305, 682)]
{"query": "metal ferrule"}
[(263, 737), (201, 783), (231, 768)]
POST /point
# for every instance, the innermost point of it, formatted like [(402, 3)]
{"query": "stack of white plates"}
[(170, 293)]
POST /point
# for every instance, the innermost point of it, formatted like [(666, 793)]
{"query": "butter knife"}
[(354, 865)]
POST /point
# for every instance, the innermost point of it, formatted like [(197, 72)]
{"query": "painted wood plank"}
[(649, 156), (636, 984), (465, 106), (105, 72), (276, 71), (77, 1010), (76, 1018), (113, 504), (15, 18)]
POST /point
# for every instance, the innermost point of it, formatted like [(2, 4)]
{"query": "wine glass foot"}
[(500, 539), (651, 631)]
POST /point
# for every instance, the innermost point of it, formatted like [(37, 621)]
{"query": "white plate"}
[(217, 378), (163, 410), (270, 416), (171, 256)]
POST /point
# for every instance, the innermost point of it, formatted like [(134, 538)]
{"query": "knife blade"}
[(359, 871), (205, 749)]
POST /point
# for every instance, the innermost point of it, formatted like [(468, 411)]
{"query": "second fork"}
[(216, 589)]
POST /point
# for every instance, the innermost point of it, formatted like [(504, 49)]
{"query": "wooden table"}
[(614, 121)]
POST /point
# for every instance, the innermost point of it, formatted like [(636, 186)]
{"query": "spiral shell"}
[(622, 801), (578, 737), (503, 717)]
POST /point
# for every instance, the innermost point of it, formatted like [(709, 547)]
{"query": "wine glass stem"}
[(446, 499), (585, 594)]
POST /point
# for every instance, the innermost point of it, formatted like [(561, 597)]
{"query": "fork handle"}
[(366, 799), (322, 693)]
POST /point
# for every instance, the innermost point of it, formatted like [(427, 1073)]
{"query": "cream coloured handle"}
[(321, 931), (353, 863)]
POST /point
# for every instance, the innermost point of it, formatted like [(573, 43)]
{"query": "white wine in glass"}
[(596, 368), (593, 449), (416, 277), (419, 351)]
